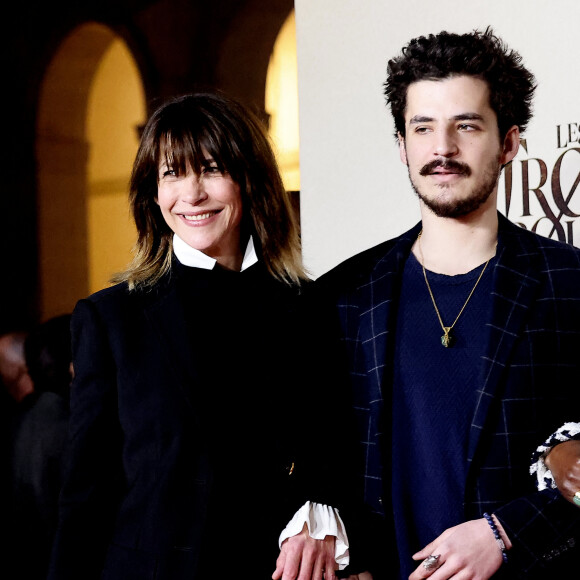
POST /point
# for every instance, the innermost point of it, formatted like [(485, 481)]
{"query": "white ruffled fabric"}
[(322, 521), (543, 474)]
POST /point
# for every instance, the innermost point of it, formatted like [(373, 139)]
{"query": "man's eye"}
[(466, 127), (421, 130)]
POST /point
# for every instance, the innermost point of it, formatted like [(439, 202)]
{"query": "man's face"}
[(452, 146)]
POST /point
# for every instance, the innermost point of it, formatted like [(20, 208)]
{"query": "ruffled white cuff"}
[(543, 474), (322, 521)]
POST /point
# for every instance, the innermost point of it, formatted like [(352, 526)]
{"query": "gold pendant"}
[(446, 338)]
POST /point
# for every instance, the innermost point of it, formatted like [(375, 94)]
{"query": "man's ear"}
[(511, 144), (402, 149)]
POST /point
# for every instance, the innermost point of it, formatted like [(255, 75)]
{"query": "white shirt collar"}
[(189, 256)]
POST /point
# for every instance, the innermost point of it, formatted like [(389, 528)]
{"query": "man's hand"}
[(304, 558), (564, 463), (468, 551)]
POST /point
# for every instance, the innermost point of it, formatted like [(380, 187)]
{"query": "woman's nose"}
[(193, 189)]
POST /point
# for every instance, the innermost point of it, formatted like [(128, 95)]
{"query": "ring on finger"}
[(431, 562)]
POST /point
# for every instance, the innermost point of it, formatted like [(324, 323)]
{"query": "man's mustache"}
[(447, 165)]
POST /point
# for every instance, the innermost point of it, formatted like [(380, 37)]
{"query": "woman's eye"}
[(167, 172), (211, 169)]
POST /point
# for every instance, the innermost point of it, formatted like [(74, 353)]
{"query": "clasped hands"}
[(467, 551)]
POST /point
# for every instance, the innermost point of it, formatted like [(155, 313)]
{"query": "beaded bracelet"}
[(498, 539)]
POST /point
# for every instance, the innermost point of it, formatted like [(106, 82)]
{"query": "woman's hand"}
[(564, 463), (304, 558)]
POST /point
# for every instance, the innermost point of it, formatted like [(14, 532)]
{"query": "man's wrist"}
[(502, 532), (499, 534)]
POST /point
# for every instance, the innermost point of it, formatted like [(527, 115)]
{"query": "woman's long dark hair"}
[(182, 131)]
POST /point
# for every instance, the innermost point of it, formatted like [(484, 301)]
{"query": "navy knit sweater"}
[(433, 402)]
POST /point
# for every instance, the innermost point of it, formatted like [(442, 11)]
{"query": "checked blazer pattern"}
[(527, 387)]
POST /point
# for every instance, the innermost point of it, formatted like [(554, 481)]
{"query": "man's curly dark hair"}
[(478, 54)]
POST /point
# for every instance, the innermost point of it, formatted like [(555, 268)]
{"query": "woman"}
[(188, 446)]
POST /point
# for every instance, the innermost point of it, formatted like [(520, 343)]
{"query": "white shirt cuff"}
[(322, 521)]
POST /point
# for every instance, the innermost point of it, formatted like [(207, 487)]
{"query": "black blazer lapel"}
[(514, 289)]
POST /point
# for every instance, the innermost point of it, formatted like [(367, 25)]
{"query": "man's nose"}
[(445, 144)]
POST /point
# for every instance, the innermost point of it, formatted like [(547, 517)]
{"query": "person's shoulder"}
[(110, 292), (550, 249), (552, 244), (106, 297), (120, 297), (558, 250), (359, 268), (360, 264)]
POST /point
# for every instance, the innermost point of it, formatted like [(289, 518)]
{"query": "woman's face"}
[(204, 210)]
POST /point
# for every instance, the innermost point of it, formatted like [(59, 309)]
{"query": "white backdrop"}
[(355, 191)]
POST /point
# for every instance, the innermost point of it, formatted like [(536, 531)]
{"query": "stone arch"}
[(66, 168), (245, 54), (282, 103)]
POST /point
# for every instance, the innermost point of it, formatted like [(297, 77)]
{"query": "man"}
[(462, 335)]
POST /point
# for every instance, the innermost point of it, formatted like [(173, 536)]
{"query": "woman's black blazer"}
[(193, 428)]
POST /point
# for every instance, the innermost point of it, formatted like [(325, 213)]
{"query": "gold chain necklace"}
[(446, 339)]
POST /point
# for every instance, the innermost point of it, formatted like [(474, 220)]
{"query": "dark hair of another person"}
[(478, 54), (47, 350), (182, 132)]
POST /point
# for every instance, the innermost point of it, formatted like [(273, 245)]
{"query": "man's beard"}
[(461, 207)]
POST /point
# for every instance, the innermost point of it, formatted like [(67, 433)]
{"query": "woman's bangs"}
[(182, 149)]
